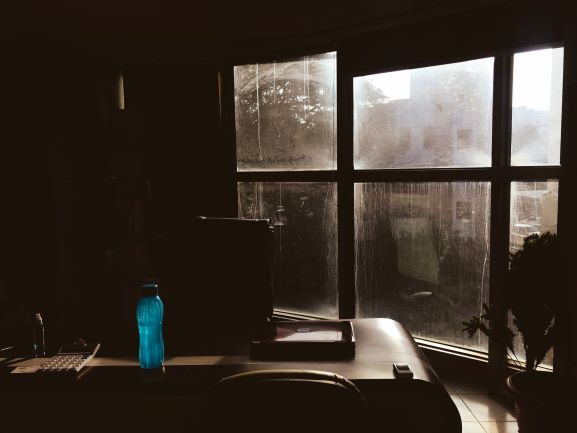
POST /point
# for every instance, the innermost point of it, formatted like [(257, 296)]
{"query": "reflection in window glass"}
[(439, 116), (536, 118), (422, 255), (533, 210), (305, 218), (286, 114)]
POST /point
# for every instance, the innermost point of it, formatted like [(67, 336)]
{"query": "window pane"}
[(533, 210), (536, 119), (305, 216), (422, 255), (286, 114), (439, 116)]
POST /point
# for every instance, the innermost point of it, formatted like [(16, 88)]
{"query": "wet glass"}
[(433, 117), (537, 98), (285, 114), (305, 219), (422, 256)]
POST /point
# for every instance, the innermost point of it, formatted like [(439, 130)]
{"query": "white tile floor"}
[(479, 412)]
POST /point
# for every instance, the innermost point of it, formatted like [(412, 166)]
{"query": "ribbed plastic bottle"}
[(149, 315)]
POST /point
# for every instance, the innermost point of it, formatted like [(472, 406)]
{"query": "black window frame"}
[(500, 174)]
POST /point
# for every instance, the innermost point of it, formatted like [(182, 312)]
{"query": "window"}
[(537, 93), (305, 218), (422, 248), (285, 116), (432, 117), (422, 255), (535, 141), (533, 210), (434, 178)]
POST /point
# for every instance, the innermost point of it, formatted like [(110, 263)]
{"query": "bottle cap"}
[(149, 289)]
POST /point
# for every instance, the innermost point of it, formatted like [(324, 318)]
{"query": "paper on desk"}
[(28, 369), (307, 334)]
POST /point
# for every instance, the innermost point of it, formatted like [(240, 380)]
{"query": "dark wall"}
[(91, 195), (487, 31), (50, 131), (186, 168)]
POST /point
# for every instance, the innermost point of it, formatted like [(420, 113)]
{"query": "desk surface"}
[(118, 383), (379, 344)]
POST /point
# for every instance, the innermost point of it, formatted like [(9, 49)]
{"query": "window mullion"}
[(228, 132), (500, 196), (286, 176), (345, 193)]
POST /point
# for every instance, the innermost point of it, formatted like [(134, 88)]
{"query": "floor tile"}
[(500, 427), (449, 387), (472, 427), (484, 408), (465, 388), (466, 414)]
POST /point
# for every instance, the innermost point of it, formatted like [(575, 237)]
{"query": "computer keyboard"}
[(70, 359)]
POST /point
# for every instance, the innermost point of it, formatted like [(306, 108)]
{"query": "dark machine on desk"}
[(220, 286)]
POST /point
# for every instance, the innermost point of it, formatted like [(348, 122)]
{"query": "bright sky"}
[(532, 78), (395, 85)]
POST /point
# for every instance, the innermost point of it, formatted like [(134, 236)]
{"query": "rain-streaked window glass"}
[(433, 117), (285, 114), (536, 117), (305, 218), (422, 255), (533, 210)]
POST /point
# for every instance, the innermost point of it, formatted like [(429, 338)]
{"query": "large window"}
[(443, 169)]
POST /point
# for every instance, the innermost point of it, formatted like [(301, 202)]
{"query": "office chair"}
[(283, 401)]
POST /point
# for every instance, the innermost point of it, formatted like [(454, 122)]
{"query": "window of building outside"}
[(422, 249)]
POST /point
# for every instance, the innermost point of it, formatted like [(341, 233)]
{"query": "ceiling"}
[(149, 29)]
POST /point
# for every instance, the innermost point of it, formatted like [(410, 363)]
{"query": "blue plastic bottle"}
[(149, 315)]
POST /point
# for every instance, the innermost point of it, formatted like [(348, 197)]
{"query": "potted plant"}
[(532, 292)]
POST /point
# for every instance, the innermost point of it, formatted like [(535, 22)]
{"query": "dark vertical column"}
[(500, 195), (565, 356), (228, 131), (345, 190)]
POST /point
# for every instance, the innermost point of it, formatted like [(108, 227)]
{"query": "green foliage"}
[(532, 292), (492, 328)]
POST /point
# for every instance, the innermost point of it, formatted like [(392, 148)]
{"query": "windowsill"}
[(281, 315), (469, 360), (475, 355)]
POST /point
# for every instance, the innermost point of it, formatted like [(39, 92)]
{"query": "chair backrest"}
[(283, 400), (221, 282)]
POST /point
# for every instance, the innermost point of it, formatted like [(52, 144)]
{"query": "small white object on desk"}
[(402, 371)]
